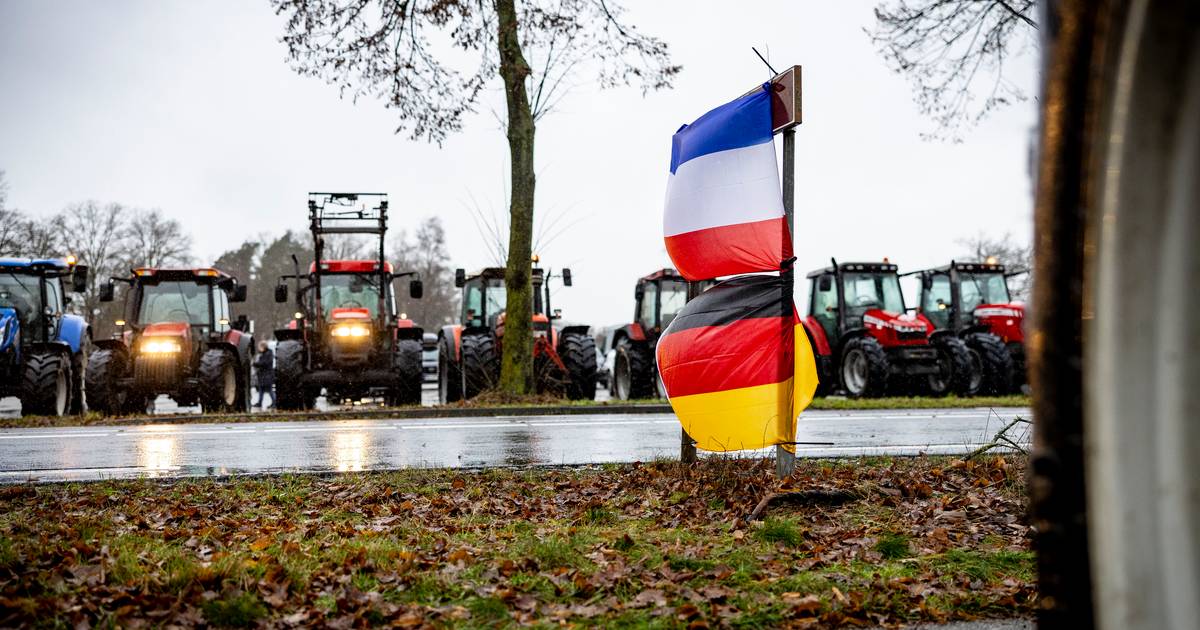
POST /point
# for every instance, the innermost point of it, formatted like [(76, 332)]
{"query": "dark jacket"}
[(264, 369)]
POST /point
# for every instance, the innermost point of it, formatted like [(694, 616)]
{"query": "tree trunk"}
[(516, 361)]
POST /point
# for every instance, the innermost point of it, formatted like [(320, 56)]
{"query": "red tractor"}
[(971, 300), (864, 340), (658, 298), (347, 337), (564, 359), (176, 338)]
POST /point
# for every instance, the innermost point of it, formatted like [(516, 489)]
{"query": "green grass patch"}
[(894, 546), (240, 610), (782, 531)]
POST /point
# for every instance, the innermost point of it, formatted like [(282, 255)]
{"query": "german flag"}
[(737, 370)]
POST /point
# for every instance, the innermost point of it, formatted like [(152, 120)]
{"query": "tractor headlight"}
[(161, 346), (350, 330)]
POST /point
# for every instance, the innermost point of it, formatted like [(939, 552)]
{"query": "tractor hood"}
[(1014, 310), (904, 323), (1004, 320), (167, 329), (9, 328)]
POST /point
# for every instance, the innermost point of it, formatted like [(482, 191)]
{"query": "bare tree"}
[(1014, 255), (153, 240), (401, 52), (425, 253), (10, 222), (97, 233), (953, 52)]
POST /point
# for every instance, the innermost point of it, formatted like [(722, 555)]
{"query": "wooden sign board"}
[(785, 99)]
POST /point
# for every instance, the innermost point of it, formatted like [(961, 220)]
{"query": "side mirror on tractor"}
[(106, 291), (927, 282), (416, 289), (242, 323), (79, 278), (239, 294), (281, 293), (566, 275), (824, 283), (460, 278)]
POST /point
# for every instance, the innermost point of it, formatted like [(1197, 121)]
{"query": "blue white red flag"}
[(724, 211)]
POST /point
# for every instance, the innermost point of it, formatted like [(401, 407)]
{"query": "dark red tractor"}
[(971, 300), (176, 338), (865, 342), (658, 298), (564, 358), (347, 337)]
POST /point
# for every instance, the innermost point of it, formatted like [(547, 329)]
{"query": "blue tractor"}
[(42, 348)]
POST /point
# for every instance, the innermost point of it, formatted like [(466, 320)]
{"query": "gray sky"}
[(192, 108)]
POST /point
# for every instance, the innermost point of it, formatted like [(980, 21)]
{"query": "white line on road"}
[(34, 436)]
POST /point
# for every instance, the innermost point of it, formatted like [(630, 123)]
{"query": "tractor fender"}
[(581, 330), (938, 334), (634, 331), (289, 334), (974, 328), (816, 336), (242, 343), (50, 346), (117, 345), (410, 332), (73, 331), (223, 344), (454, 334), (852, 333)]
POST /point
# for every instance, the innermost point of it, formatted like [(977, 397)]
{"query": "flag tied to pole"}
[(724, 213), (737, 366), (736, 362)]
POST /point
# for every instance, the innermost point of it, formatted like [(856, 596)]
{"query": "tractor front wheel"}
[(994, 362), (105, 368), (289, 376), (633, 371), (578, 354), (406, 369), (955, 371), (480, 364), (865, 368), (46, 385), (449, 373), (219, 382)]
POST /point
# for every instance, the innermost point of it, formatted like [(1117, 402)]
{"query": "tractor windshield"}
[(351, 290), (175, 302), (981, 288), (20, 292), (673, 297), (866, 290)]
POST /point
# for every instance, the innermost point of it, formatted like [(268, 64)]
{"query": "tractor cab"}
[(658, 298), (42, 347), (485, 297), (865, 339), (177, 337)]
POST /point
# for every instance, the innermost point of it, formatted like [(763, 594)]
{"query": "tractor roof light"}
[(206, 273), (71, 259), (991, 260), (143, 271), (298, 315)]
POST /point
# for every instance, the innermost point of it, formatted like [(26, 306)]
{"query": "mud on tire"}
[(219, 382), (406, 369), (480, 364), (633, 371), (578, 354), (46, 384)]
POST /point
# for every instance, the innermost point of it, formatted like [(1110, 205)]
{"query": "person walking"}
[(264, 370)]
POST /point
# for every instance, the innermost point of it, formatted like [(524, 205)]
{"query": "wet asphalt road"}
[(174, 450)]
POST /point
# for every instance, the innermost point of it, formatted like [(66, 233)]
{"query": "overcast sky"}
[(191, 107)]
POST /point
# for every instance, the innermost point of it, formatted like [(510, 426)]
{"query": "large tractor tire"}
[(633, 371), (955, 372), (480, 364), (78, 396), (406, 368), (864, 368), (46, 384), (219, 383), (993, 362), (578, 354), (449, 373), (290, 394), (105, 369)]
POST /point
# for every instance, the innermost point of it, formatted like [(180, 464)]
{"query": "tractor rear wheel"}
[(480, 364), (633, 370), (289, 376), (105, 368), (46, 384), (578, 354), (994, 362), (449, 373), (406, 369), (954, 367), (218, 381), (865, 368)]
